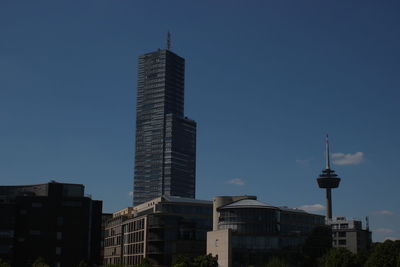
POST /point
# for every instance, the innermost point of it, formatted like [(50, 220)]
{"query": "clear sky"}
[(265, 81)]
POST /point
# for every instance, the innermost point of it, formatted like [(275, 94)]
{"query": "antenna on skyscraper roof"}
[(168, 41)]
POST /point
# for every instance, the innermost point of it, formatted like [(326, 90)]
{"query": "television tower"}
[(328, 179)]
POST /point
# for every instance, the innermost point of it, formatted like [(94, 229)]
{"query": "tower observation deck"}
[(328, 179)]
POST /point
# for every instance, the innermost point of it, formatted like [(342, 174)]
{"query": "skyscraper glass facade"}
[(165, 154)]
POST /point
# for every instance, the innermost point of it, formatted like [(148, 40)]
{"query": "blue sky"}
[(265, 81)]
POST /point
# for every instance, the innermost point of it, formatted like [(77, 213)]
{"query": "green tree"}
[(362, 257), (319, 242), (82, 263), (384, 254), (205, 261), (339, 257), (4, 263), (40, 262), (182, 261), (277, 262), (145, 263), (398, 260), (317, 245)]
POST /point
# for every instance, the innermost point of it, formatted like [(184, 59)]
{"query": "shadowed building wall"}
[(54, 221)]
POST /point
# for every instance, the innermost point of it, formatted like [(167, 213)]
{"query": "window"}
[(6, 233), (71, 203), (34, 232), (37, 205), (342, 242), (342, 234), (60, 220), (59, 235), (58, 251)]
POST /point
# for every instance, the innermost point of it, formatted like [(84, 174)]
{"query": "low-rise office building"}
[(159, 230), (245, 229), (54, 221), (349, 234)]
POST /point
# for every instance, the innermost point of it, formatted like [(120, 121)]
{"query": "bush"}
[(339, 257), (277, 262), (40, 262), (386, 254), (82, 263), (4, 263)]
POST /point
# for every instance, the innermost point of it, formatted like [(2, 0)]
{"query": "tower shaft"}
[(329, 203)]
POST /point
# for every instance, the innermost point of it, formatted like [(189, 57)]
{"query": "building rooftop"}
[(186, 200), (248, 203), (284, 208), (133, 211)]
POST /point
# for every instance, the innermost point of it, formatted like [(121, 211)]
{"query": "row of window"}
[(112, 241), (134, 237), (339, 234), (340, 226), (137, 248), (340, 242), (133, 226), (133, 260)]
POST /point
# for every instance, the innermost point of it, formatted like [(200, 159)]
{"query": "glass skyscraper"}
[(165, 154)]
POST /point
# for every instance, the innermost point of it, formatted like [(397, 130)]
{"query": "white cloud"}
[(312, 208), (383, 230), (348, 159), (383, 212), (236, 181)]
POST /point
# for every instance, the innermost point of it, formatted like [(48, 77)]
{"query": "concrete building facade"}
[(159, 230), (245, 229), (350, 234)]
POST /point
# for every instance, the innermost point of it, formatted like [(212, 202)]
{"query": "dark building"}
[(104, 218), (245, 230), (54, 221), (165, 154), (159, 230)]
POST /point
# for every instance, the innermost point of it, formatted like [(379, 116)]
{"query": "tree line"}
[(316, 252), (386, 254)]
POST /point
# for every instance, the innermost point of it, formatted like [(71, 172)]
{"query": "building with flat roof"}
[(53, 220), (165, 149), (349, 234), (159, 230), (245, 229)]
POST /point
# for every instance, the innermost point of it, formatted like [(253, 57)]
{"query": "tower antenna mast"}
[(168, 41), (328, 163)]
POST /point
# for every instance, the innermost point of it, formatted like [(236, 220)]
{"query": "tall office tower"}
[(165, 154)]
